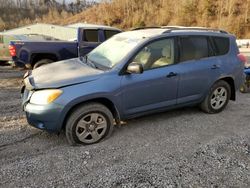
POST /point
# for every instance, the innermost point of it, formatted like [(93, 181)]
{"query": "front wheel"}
[(89, 124), (217, 98)]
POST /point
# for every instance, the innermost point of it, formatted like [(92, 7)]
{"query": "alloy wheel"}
[(219, 98), (91, 128)]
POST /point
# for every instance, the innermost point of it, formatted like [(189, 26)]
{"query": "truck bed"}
[(60, 49)]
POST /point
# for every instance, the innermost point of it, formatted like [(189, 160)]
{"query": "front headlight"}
[(45, 96)]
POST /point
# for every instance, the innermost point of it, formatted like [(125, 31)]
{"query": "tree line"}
[(16, 13), (231, 15)]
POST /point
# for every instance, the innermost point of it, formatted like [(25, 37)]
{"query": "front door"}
[(156, 87)]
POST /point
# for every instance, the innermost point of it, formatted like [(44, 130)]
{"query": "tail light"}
[(242, 58), (12, 50)]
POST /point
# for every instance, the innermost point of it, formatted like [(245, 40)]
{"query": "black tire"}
[(42, 62), (72, 129), (208, 105)]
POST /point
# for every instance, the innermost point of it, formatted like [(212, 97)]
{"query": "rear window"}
[(193, 47), (221, 45), (110, 33), (91, 35)]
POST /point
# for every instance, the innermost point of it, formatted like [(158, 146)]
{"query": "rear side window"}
[(91, 35), (193, 47), (221, 45), (110, 33)]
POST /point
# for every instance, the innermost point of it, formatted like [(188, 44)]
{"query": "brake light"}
[(12, 50), (242, 58)]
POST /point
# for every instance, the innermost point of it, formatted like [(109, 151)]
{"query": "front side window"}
[(193, 48), (90, 35), (156, 54)]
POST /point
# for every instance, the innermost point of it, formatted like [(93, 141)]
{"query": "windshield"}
[(111, 52)]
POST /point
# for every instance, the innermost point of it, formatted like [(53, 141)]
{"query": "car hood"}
[(60, 74)]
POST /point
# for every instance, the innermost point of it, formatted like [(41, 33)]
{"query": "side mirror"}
[(135, 68)]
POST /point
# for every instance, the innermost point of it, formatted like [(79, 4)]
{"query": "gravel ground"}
[(180, 148)]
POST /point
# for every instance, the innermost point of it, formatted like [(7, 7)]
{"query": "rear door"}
[(199, 68)]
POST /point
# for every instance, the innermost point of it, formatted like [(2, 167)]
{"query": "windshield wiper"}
[(89, 62), (93, 64)]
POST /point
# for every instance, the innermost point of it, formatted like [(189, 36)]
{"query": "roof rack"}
[(180, 28), (177, 28), (149, 27)]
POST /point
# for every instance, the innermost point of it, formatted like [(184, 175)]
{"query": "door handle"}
[(215, 66), (171, 74)]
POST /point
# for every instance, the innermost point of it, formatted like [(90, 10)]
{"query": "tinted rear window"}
[(110, 33), (91, 35), (193, 47), (221, 45)]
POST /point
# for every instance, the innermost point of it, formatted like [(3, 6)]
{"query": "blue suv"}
[(133, 74)]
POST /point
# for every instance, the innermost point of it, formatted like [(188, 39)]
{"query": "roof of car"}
[(150, 32), (143, 33)]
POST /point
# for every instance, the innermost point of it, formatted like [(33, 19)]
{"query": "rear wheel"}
[(217, 98), (89, 124), (42, 62)]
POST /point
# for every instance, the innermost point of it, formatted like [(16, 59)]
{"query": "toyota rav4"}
[(132, 74)]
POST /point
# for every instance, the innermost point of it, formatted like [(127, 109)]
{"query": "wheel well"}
[(104, 101), (37, 57), (230, 81)]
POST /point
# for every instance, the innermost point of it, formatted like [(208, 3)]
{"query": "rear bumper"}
[(47, 117)]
